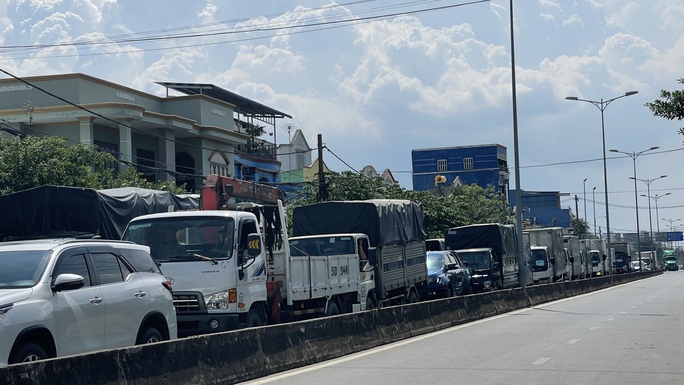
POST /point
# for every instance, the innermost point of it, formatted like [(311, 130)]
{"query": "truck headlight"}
[(217, 301)]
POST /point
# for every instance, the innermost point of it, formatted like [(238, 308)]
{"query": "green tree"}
[(670, 105), (581, 227), (466, 205), (32, 161)]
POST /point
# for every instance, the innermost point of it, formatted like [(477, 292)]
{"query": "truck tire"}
[(28, 353), (370, 304), (332, 309), (254, 319), (413, 297)]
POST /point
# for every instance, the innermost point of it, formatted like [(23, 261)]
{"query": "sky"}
[(377, 79)]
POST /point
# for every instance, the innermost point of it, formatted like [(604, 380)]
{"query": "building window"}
[(441, 164), (111, 148), (467, 163), (145, 164)]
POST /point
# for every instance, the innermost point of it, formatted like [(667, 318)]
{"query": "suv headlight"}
[(4, 309), (217, 301)]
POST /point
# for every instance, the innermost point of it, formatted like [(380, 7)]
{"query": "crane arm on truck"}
[(219, 192)]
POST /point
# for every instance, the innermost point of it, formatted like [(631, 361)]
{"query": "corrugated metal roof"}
[(242, 104)]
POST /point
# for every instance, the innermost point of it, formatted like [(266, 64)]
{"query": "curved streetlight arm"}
[(602, 104), (634, 154)]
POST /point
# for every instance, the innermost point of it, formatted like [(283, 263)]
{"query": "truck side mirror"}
[(373, 255), (253, 244)]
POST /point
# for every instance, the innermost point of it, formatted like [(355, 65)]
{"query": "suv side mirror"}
[(68, 282)]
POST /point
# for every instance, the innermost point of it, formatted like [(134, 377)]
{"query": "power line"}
[(278, 27)]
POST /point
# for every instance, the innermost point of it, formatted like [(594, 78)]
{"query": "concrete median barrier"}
[(247, 354)]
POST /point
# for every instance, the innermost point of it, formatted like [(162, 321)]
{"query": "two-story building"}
[(208, 130)]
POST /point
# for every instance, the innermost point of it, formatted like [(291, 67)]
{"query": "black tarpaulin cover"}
[(56, 211), (500, 238), (385, 221)]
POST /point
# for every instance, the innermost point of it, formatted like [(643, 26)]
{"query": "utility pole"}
[(577, 208), (322, 186)]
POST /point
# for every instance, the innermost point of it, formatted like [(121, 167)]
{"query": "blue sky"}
[(380, 78)]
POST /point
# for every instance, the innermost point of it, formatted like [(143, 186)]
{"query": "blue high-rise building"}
[(484, 165)]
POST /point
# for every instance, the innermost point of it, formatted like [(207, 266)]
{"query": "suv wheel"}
[(151, 335), (29, 353)]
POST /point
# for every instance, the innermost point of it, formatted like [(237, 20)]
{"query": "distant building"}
[(386, 175), (484, 165), (294, 155), (542, 208)]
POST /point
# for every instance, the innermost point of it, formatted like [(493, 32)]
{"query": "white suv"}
[(65, 297)]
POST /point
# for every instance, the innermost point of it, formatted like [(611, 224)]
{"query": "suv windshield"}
[(19, 269), (184, 238), (435, 260)]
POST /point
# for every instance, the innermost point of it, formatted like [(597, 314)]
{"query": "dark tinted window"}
[(108, 268), (74, 264), (141, 261)]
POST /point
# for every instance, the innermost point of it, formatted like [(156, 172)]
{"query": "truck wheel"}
[(28, 353), (254, 319), (370, 305), (332, 309), (413, 297)]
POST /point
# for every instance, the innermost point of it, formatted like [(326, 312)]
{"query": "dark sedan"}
[(447, 275)]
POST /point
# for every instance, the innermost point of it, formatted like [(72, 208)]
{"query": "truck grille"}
[(187, 302)]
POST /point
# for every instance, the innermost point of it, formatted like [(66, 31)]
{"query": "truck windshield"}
[(478, 260), (184, 238), (325, 245), (538, 260), (20, 269), (595, 258)]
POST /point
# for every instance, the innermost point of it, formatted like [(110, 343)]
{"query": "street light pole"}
[(671, 227), (650, 222), (584, 185), (593, 199), (601, 105), (655, 198), (635, 155)]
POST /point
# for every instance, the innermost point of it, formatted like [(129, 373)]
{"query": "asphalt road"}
[(628, 334)]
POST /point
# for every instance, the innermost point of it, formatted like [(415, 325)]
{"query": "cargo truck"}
[(549, 261), (574, 256), (396, 234), (232, 264), (670, 260), (490, 250), (623, 261), (596, 258)]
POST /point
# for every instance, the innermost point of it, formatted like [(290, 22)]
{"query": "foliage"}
[(581, 227), (32, 161), (670, 105), (464, 206)]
